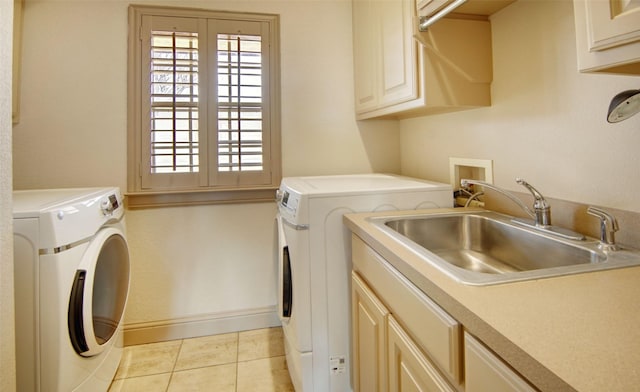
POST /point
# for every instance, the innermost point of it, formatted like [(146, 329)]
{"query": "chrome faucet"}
[(608, 227), (540, 206), (541, 214)]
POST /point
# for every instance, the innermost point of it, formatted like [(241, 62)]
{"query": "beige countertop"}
[(577, 332)]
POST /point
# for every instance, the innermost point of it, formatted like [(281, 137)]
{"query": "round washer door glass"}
[(99, 293), (110, 286)]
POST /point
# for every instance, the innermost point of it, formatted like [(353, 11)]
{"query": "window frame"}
[(234, 191)]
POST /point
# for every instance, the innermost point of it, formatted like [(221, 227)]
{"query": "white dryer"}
[(71, 263), (314, 257)]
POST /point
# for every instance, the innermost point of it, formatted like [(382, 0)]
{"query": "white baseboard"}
[(201, 325)]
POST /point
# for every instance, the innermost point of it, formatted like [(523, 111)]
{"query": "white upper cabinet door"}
[(613, 23), (608, 35), (399, 52), (385, 53), (365, 54)]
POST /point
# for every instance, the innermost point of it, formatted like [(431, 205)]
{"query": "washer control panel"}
[(109, 204), (288, 201)]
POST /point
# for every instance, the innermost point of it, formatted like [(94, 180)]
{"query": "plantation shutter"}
[(239, 52), (174, 102), (173, 138), (205, 103)]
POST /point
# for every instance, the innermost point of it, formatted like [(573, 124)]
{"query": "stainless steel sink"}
[(488, 248)]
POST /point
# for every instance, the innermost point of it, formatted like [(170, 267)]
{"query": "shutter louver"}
[(174, 102), (240, 106)]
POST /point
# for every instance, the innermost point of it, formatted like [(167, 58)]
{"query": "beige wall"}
[(188, 261), (7, 345), (547, 122), (74, 92)]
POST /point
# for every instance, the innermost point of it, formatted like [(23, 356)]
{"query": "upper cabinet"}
[(384, 53), (608, 36), (400, 71), (17, 49), (470, 7)]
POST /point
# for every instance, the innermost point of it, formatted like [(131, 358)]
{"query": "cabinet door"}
[(613, 23), (369, 339), (608, 36), (398, 51), (385, 53), (365, 53), (433, 329), (486, 372), (17, 54), (409, 369)]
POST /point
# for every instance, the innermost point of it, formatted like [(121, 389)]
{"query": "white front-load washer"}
[(314, 258), (71, 263)]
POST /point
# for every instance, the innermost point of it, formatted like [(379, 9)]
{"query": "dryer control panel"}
[(109, 204), (288, 200), (66, 216)]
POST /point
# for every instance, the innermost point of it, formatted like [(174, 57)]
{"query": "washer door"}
[(99, 292), (294, 293), (285, 283)]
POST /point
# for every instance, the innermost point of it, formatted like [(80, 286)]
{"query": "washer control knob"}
[(279, 195), (106, 207)]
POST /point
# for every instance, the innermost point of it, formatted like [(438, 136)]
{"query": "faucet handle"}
[(539, 199), (608, 227), (540, 204)]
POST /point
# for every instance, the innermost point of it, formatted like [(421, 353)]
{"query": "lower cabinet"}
[(486, 372), (409, 369), (385, 357), (403, 341), (369, 323)]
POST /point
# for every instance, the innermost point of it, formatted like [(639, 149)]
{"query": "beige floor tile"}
[(264, 375), (208, 351), (260, 343), (250, 361), (221, 378), (155, 383), (148, 359)]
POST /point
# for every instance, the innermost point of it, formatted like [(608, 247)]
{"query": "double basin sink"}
[(484, 247)]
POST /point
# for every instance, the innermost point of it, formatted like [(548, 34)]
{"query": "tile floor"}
[(249, 361)]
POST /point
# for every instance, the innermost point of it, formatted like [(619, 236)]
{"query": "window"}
[(204, 106)]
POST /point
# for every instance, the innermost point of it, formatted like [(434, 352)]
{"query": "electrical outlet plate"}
[(475, 169)]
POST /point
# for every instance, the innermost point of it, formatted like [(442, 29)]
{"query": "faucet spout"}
[(541, 213), (466, 182)]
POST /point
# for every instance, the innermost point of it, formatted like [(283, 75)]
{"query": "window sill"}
[(155, 199)]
